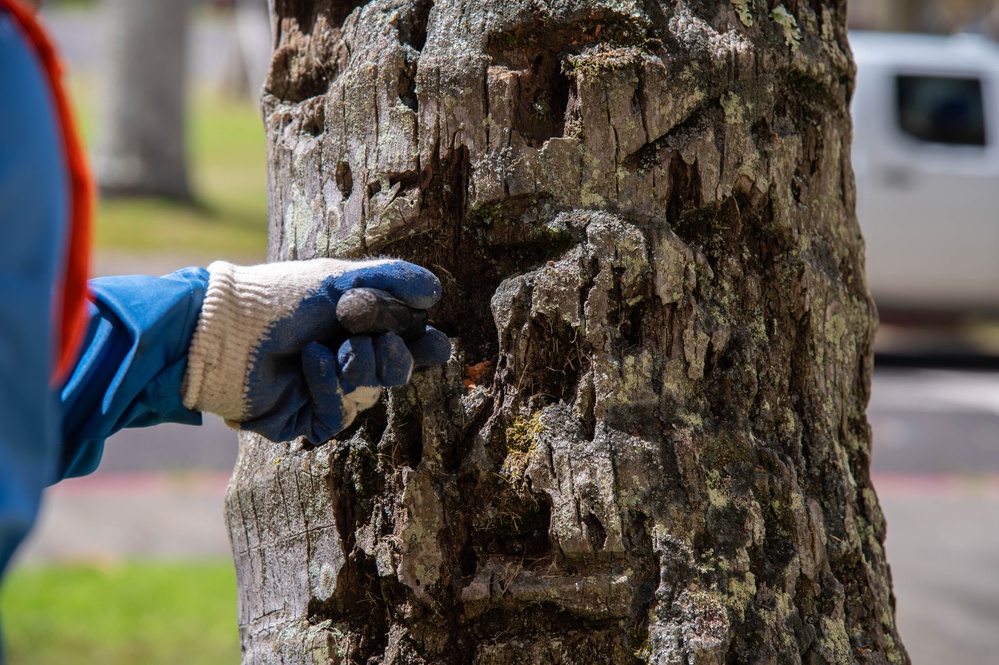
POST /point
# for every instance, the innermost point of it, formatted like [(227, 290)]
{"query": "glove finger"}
[(326, 415), (416, 286), (434, 348), (356, 361), (392, 360)]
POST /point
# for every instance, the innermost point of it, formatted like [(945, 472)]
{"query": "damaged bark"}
[(650, 445)]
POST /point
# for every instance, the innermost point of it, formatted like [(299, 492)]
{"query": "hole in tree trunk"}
[(468, 560), (539, 56), (684, 186), (595, 532), (294, 74), (302, 11), (305, 12), (520, 528), (643, 561), (344, 179), (412, 33), (554, 364), (407, 87), (413, 442), (339, 10), (314, 123), (413, 26), (544, 96)]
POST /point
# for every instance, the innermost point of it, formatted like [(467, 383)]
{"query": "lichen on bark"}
[(642, 215)]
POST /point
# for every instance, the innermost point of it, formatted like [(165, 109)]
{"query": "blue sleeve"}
[(33, 210), (132, 364)]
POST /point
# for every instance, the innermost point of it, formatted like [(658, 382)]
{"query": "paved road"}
[(150, 516), (157, 494), (931, 422), (936, 466), (943, 547)]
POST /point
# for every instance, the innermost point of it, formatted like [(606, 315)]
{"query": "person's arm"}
[(132, 364), (260, 346)]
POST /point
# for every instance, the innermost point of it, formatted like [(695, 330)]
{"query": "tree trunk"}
[(650, 444), (142, 148)]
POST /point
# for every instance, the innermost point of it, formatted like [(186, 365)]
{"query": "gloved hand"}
[(270, 356)]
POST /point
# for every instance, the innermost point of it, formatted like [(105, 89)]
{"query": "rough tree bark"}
[(142, 148), (651, 443)]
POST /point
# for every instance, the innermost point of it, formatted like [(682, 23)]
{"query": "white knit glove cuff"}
[(237, 311)]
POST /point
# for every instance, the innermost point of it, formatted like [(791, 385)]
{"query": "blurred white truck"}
[(926, 157)]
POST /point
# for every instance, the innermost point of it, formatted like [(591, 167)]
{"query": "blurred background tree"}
[(209, 199), (143, 148)]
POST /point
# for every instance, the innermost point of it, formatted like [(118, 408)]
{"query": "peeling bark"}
[(651, 443)]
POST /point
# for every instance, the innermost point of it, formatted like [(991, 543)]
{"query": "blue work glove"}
[(270, 356)]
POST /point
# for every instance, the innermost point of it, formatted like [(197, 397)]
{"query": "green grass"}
[(228, 175), (122, 614)]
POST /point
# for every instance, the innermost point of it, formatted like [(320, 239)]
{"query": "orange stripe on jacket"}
[(71, 296)]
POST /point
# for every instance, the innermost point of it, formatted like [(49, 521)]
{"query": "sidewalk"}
[(158, 494), (122, 516), (943, 549)]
